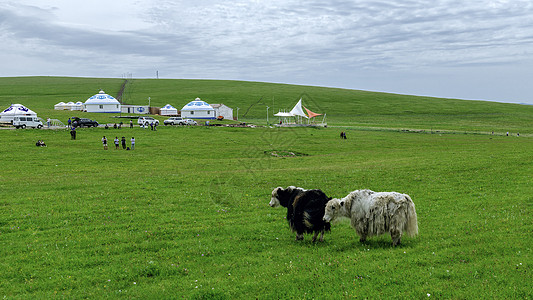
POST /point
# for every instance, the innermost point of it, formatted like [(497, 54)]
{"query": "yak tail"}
[(411, 226)]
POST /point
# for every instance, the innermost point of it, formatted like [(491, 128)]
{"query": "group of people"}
[(343, 135), (153, 126), (40, 143), (115, 126), (117, 142)]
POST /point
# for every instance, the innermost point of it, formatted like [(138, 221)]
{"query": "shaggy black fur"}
[(305, 211)]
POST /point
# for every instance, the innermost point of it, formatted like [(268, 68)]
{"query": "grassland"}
[(185, 214)]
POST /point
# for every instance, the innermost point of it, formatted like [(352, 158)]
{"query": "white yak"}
[(372, 213)]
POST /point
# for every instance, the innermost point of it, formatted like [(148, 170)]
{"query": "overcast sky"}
[(475, 49)]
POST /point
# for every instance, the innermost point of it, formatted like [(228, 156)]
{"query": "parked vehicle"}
[(23, 122), (146, 121), (190, 122), (174, 121), (84, 122)]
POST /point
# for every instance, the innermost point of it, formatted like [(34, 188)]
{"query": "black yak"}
[(305, 210)]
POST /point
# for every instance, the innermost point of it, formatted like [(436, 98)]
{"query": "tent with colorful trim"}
[(298, 113), (15, 110)]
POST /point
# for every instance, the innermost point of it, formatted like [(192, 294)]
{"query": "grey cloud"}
[(272, 40)]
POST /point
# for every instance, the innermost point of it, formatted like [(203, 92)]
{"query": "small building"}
[(223, 110), (135, 109), (102, 103), (198, 109), (168, 110)]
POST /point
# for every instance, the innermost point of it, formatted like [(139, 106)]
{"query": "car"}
[(84, 122), (146, 121), (190, 122), (23, 122), (174, 121)]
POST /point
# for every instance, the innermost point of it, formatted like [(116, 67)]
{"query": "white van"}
[(23, 122)]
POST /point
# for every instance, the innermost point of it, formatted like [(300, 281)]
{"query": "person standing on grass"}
[(132, 143), (116, 142), (48, 122), (123, 140), (73, 133), (69, 122), (104, 141), (131, 126)]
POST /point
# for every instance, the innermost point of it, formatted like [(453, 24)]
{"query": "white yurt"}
[(198, 109), (78, 106), (60, 106), (15, 110), (168, 110), (70, 105), (102, 103)]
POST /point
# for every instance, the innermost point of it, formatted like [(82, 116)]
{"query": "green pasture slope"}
[(186, 215)]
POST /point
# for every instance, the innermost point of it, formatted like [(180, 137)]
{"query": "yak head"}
[(333, 208), (274, 201), (284, 197)]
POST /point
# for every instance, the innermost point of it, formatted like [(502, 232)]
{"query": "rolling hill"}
[(343, 107)]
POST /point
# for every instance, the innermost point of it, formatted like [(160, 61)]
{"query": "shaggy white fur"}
[(374, 213)]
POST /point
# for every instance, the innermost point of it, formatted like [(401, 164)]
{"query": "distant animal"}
[(375, 213), (305, 210)]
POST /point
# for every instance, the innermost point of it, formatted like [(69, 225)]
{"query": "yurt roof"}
[(102, 98), (197, 104), (168, 106), (61, 103), (18, 109)]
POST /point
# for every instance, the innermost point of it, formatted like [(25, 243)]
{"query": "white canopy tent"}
[(298, 113), (15, 110), (283, 117), (168, 110)]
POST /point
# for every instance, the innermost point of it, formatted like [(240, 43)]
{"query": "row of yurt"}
[(69, 106), (100, 102), (199, 109), (15, 110), (104, 103)]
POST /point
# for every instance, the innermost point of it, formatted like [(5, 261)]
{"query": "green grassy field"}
[(186, 215)]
